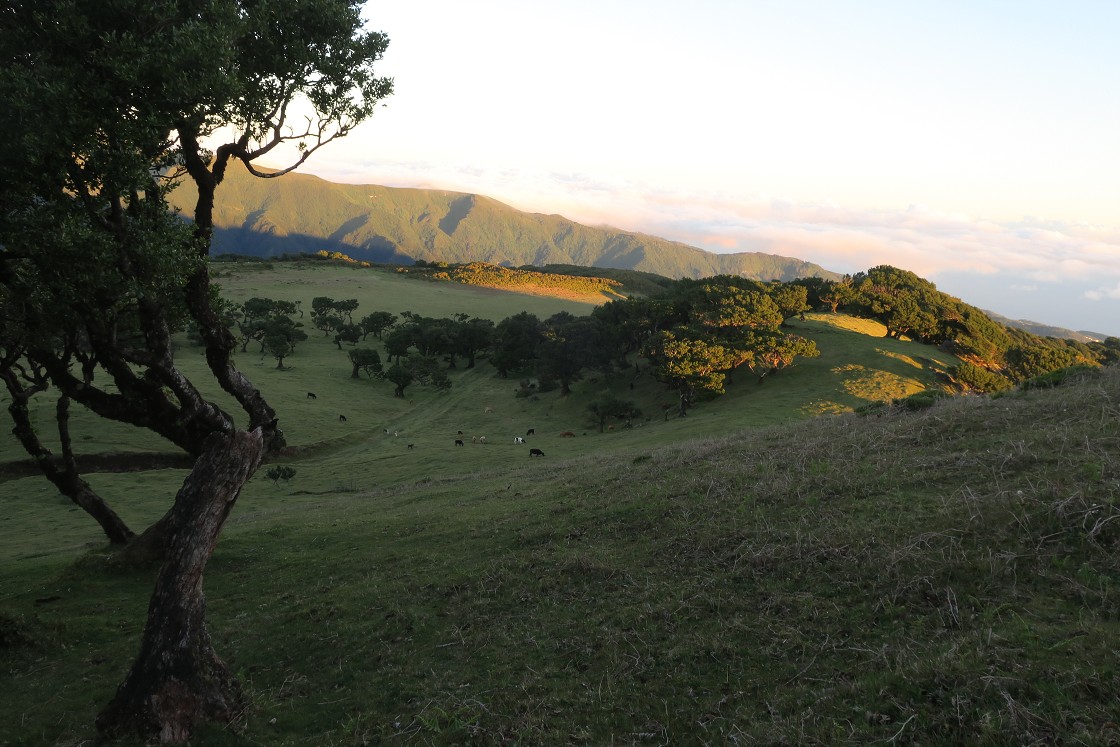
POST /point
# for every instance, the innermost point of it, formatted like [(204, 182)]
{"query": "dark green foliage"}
[(376, 323), (568, 346), (279, 336), (910, 306), (1060, 377), (921, 400), (417, 369), (449, 337), (330, 315), (270, 323), (400, 375), (473, 337), (690, 365), (516, 339), (348, 333), (613, 408), (703, 330), (977, 379), (280, 473), (367, 360), (790, 298)]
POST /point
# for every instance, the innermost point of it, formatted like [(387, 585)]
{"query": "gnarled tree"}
[(96, 272)]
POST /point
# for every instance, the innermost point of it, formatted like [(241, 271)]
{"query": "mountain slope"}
[(1047, 330), (302, 213)]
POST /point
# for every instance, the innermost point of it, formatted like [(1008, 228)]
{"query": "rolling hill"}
[(772, 569), (303, 213)]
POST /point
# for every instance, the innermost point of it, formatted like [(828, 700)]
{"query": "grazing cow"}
[(567, 434), (518, 440), (342, 418), (311, 395), (531, 432), (396, 434), (411, 445), (535, 452), (482, 439), (488, 410), (458, 442), (474, 439)]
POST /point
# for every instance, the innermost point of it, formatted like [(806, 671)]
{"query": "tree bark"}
[(178, 681)]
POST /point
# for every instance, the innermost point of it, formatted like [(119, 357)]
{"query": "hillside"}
[(750, 574), (303, 213), (1047, 330)]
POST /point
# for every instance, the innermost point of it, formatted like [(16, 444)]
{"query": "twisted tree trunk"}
[(178, 681)]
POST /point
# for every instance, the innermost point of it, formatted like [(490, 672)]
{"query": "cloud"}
[(1099, 294)]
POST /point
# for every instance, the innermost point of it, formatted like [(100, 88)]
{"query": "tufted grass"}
[(946, 575)]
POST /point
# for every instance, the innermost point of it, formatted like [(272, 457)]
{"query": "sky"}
[(975, 143)]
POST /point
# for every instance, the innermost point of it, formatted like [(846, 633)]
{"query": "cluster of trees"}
[(106, 107), (994, 357), (701, 331), (694, 334), (271, 324), (416, 347)]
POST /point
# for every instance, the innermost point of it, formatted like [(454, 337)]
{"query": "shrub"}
[(280, 472), (921, 400), (1059, 377), (978, 379)]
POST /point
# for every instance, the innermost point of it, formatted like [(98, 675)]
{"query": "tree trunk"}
[(177, 680), (147, 549)]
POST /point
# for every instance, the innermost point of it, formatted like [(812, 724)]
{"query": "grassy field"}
[(749, 574)]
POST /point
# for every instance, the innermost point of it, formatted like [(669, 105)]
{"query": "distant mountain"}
[(1046, 330), (303, 213)]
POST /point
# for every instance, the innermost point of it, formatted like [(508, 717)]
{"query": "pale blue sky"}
[(976, 140)]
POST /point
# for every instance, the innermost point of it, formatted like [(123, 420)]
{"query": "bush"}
[(921, 400), (1059, 377), (978, 379), (280, 472)]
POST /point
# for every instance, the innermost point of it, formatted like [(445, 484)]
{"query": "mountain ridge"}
[(306, 213)]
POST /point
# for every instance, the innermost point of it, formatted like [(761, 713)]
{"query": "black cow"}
[(311, 395), (535, 452), (342, 418), (411, 445), (531, 432)]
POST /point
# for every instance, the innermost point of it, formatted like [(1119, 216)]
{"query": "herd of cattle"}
[(516, 440), (459, 441)]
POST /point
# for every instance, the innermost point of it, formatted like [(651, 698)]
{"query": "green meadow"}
[(772, 568)]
